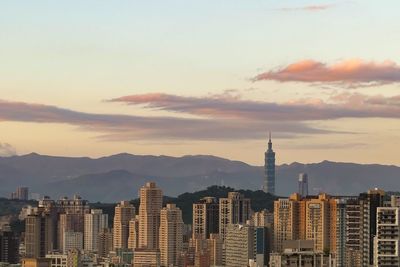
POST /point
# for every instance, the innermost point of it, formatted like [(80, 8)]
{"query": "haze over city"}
[(95, 78)]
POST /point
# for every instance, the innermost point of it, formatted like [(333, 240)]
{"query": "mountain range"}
[(118, 177)]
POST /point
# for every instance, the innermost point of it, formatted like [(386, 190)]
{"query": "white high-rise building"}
[(387, 239), (95, 222)]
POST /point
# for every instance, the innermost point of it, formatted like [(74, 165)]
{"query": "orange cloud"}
[(351, 73)]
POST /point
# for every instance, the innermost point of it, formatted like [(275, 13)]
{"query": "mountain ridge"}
[(124, 173)]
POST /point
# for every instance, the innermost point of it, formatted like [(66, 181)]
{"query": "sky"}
[(95, 78)]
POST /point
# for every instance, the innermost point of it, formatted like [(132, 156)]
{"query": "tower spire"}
[(269, 142)]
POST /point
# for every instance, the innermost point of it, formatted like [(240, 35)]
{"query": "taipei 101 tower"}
[(269, 169)]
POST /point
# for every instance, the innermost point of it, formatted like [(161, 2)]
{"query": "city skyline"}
[(101, 78)]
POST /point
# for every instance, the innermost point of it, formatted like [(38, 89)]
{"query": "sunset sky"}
[(94, 78)]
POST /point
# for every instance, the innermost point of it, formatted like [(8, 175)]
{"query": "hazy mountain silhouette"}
[(120, 176)]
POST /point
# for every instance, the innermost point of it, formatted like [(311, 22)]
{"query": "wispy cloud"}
[(349, 73), (327, 146), (119, 127), (225, 116), (7, 150), (308, 109), (311, 8)]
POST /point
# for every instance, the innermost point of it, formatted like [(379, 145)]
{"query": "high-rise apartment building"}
[(124, 212), (39, 231), (286, 221), (387, 240), (171, 235), (269, 169), (239, 245), (95, 222), (361, 227), (263, 222), (69, 223), (23, 193), (72, 241), (76, 207), (311, 218), (9, 246), (303, 184), (104, 242), (146, 258), (149, 215), (320, 222), (263, 218), (235, 209), (341, 233), (205, 218), (133, 240), (214, 247)]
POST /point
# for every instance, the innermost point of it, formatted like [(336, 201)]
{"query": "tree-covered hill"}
[(259, 200)]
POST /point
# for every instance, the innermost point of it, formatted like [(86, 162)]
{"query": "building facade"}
[(95, 222), (39, 234), (124, 212), (387, 240), (9, 246), (205, 218), (235, 209), (171, 235), (149, 215), (239, 245)]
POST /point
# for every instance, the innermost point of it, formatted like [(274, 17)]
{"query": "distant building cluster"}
[(22, 193)]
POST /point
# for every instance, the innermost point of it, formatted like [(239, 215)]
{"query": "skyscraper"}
[(69, 222), (39, 235), (286, 220), (269, 169), (171, 235), (149, 215), (311, 218), (361, 219), (9, 245), (303, 184), (104, 242), (95, 222), (205, 218), (124, 212), (235, 209)]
